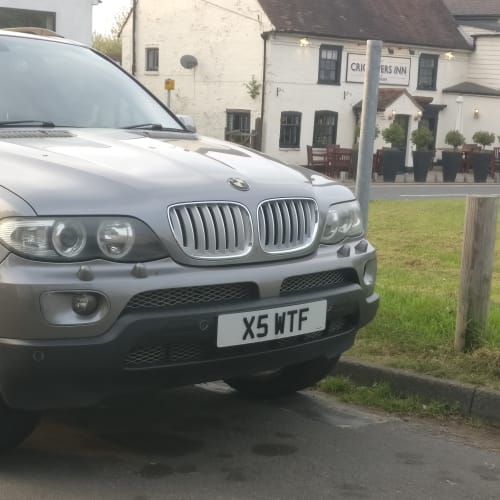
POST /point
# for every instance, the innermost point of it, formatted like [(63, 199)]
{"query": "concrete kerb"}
[(471, 400)]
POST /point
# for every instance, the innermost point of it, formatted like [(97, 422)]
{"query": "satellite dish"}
[(188, 62)]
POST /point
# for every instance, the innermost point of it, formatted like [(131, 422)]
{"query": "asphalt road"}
[(403, 191), (206, 442)]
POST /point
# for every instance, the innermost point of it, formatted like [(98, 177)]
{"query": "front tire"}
[(15, 426), (285, 381)]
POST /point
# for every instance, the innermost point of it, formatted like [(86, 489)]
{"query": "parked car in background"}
[(136, 254)]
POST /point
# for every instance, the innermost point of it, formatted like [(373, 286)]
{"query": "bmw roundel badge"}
[(238, 184)]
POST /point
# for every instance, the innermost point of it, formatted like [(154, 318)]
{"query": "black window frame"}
[(241, 134), (155, 60), (325, 62), (14, 18), (320, 128), (289, 129), (425, 85)]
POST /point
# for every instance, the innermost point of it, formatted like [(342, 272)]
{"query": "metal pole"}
[(168, 98), (368, 124)]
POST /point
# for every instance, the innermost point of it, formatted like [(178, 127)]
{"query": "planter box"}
[(393, 161), (451, 165), (422, 161), (480, 162)]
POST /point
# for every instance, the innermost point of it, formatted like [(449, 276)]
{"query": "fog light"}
[(84, 304)]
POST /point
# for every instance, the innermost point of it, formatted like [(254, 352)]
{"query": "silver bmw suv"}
[(137, 254)]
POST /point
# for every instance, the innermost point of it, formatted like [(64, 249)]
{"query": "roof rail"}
[(35, 31)]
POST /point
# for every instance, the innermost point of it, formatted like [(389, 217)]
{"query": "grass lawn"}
[(419, 246)]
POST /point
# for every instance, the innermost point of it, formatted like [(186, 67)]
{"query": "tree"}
[(111, 45)]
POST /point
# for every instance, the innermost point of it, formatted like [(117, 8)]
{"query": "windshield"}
[(71, 86)]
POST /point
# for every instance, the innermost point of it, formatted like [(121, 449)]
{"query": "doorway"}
[(404, 121)]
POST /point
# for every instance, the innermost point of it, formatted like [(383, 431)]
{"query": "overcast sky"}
[(104, 14)]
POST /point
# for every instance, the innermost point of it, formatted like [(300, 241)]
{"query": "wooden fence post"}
[(477, 268)]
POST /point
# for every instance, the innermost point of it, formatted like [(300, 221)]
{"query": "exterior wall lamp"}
[(476, 113), (304, 42), (449, 55), (392, 115), (418, 116)]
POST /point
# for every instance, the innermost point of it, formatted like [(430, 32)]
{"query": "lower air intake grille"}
[(318, 281), (171, 354), (195, 295), (158, 355)]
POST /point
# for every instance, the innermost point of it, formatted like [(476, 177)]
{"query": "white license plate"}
[(270, 324)]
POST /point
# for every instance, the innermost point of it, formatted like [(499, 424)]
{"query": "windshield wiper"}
[(27, 123), (148, 126), (152, 126)]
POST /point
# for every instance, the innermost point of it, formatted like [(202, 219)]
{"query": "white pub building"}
[(285, 75)]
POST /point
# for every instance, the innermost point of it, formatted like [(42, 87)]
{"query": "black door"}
[(404, 121)]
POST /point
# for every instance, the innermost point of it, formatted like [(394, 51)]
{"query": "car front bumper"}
[(43, 365)]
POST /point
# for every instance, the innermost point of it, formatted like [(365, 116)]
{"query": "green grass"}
[(419, 246), (381, 396)]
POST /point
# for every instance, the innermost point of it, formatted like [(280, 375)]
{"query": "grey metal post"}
[(368, 124)]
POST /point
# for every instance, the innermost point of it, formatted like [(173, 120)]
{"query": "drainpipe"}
[(134, 22), (264, 37)]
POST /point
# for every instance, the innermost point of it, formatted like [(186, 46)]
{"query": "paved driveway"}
[(206, 442)]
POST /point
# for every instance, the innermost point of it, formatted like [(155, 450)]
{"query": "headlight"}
[(81, 238), (115, 238), (342, 221), (69, 238)]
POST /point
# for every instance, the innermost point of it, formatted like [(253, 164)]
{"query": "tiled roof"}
[(386, 96), (471, 88), (409, 22), (473, 7)]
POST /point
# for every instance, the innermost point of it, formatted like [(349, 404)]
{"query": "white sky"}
[(104, 14)]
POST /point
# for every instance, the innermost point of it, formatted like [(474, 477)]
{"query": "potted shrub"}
[(480, 160), (452, 159), (422, 157), (393, 159)]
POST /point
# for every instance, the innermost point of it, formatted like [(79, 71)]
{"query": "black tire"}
[(15, 426), (285, 381)]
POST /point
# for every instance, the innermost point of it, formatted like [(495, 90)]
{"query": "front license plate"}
[(270, 324)]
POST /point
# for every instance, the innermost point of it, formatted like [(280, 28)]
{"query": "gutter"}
[(262, 105)]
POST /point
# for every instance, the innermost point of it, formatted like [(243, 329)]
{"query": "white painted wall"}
[(294, 71), (484, 67), (223, 35), (488, 116), (73, 17)]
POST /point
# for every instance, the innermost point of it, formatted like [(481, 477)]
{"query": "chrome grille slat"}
[(212, 230), (295, 222), (230, 229), (287, 225)]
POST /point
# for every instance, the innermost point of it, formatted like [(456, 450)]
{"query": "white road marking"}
[(456, 195)]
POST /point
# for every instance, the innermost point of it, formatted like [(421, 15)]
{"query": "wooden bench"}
[(317, 159), (339, 160)]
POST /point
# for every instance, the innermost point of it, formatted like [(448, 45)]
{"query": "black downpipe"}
[(262, 107), (134, 22)]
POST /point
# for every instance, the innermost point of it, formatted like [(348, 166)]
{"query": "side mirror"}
[(188, 122)]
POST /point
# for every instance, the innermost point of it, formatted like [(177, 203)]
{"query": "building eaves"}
[(471, 88), (484, 25), (409, 22), (473, 8)]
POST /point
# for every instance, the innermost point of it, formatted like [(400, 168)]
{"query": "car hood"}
[(121, 172)]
